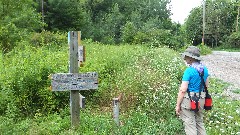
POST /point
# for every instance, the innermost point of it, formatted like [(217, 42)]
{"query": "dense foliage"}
[(25, 84), (148, 78), (110, 22), (221, 21), (114, 22), (17, 19)]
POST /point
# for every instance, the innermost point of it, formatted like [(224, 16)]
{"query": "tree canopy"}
[(17, 19), (114, 22), (220, 22)]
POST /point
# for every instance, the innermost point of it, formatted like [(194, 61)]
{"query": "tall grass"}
[(148, 79), (24, 83)]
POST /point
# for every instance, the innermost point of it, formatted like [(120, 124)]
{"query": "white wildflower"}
[(238, 111)]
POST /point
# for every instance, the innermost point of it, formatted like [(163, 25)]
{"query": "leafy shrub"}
[(234, 40), (128, 32), (47, 38), (109, 66), (158, 73), (8, 40), (204, 49), (151, 34), (25, 81), (157, 38), (18, 19)]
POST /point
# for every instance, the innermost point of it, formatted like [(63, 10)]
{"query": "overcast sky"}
[(181, 9)]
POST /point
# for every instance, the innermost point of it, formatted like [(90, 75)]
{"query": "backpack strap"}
[(203, 83)]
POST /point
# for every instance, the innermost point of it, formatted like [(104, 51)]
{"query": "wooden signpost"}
[(74, 81)]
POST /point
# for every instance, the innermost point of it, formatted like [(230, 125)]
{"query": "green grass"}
[(217, 86), (148, 78), (224, 118), (227, 48), (237, 91)]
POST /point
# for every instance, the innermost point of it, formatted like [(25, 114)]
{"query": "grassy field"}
[(147, 77)]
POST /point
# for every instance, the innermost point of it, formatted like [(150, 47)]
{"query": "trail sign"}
[(74, 81)]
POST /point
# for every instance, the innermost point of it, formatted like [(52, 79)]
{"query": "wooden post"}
[(73, 80), (116, 111), (73, 59)]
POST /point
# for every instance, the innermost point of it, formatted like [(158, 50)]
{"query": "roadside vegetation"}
[(226, 48), (147, 77)]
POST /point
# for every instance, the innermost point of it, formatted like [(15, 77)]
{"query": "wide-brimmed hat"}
[(193, 52)]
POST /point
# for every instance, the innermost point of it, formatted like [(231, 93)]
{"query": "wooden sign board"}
[(74, 81)]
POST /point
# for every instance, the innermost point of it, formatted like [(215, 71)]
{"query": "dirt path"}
[(225, 66)]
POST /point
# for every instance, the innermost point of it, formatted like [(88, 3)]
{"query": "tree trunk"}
[(237, 20), (216, 41)]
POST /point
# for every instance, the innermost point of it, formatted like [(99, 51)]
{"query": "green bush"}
[(47, 38), (158, 73), (8, 40), (157, 38), (103, 59), (234, 40), (204, 49), (128, 33), (150, 34), (25, 83), (18, 19)]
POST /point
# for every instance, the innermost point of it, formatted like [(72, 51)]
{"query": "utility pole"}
[(203, 22)]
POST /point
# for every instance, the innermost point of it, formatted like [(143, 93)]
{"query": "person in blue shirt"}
[(191, 84)]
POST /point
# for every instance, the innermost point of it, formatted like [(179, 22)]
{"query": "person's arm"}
[(181, 93)]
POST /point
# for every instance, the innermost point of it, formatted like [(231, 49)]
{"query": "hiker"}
[(192, 86)]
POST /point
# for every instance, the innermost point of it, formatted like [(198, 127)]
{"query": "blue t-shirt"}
[(192, 76)]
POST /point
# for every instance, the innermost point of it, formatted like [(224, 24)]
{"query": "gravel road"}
[(225, 66)]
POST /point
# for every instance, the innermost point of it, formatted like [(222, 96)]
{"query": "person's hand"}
[(178, 109)]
